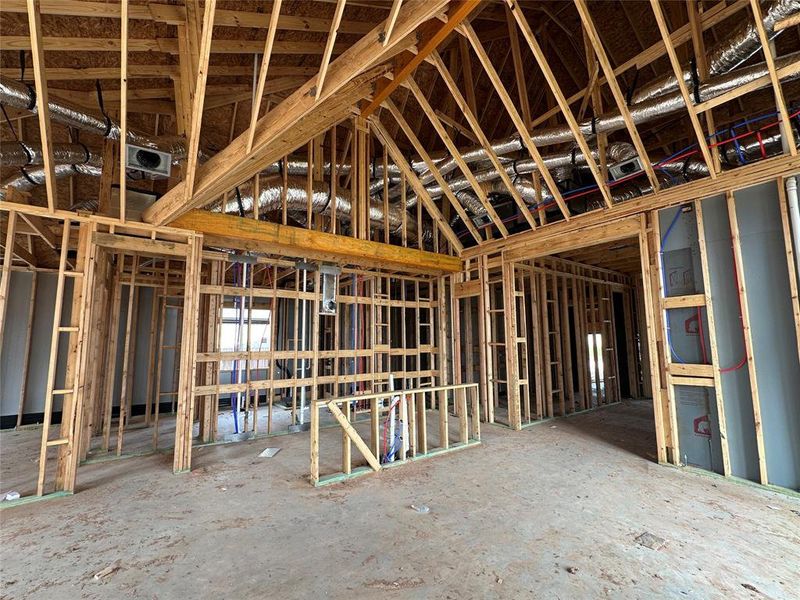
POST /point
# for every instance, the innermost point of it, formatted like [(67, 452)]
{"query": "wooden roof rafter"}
[(456, 155), (527, 33), (481, 138), (678, 70), (505, 98), (430, 35), (412, 178), (37, 53), (423, 154), (616, 91), (301, 113), (780, 100), (262, 74)]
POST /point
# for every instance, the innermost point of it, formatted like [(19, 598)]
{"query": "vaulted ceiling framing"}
[(426, 80)]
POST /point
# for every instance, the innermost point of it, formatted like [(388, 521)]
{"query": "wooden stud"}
[(748, 338), (712, 333)]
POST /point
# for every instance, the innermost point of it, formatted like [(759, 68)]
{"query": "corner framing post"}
[(182, 460)]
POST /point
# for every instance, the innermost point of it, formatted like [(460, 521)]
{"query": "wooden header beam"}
[(262, 236)]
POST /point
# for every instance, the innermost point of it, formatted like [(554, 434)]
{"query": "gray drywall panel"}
[(736, 395), (16, 323), (13, 351), (773, 330)]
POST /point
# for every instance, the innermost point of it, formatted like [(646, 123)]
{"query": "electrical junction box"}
[(330, 283), (148, 160), (625, 168)]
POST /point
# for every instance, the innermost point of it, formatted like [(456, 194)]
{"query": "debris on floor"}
[(109, 570), (648, 540), (269, 452), (572, 570), (9, 496), (421, 508)]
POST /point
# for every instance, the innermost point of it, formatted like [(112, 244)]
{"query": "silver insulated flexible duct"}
[(240, 202), (742, 43), (19, 95)]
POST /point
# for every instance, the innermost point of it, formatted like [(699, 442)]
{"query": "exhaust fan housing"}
[(148, 160)]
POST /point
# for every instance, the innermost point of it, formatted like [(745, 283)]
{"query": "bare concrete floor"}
[(550, 512)]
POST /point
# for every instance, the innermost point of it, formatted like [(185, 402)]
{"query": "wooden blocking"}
[(371, 456), (421, 424), (444, 432), (314, 444), (463, 421), (347, 444)]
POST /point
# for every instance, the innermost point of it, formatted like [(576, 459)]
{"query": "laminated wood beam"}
[(249, 234), (430, 35), (289, 124), (742, 177)]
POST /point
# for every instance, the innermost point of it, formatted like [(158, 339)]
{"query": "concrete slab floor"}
[(550, 512)]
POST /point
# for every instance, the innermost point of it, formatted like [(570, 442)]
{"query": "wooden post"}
[(182, 460)]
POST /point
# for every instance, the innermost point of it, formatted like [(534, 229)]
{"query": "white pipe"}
[(392, 416), (303, 348), (794, 216)]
